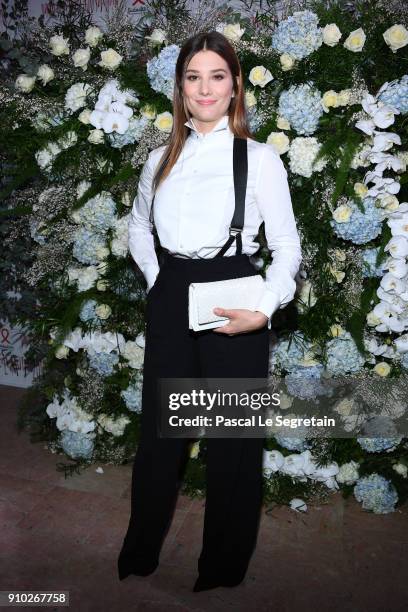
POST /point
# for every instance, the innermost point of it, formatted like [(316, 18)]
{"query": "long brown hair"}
[(217, 42)]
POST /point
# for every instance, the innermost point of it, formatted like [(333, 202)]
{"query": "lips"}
[(206, 102)]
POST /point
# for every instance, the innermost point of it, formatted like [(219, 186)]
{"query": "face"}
[(208, 78)]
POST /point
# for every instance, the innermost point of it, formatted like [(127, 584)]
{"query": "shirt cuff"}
[(268, 304), (150, 274)]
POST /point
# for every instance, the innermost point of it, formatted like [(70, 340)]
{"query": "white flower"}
[(116, 427), (164, 122), (279, 141), (331, 34), (360, 189), (75, 98), (355, 40), (233, 32), (260, 75), (81, 58), (68, 140), (59, 45), (25, 83), (103, 311), (84, 116), (342, 213), (382, 368), (157, 37), (396, 37), (348, 473), (92, 36), (110, 59), (401, 469), (96, 136), (194, 450), (272, 461), (114, 122), (302, 155), (45, 74), (330, 99), (148, 111), (74, 340), (85, 277), (282, 123), (62, 352), (287, 61), (134, 354)]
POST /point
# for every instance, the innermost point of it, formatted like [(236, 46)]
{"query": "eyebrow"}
[(215, 70)]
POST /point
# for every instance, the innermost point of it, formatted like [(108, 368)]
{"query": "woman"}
[(192, 179)]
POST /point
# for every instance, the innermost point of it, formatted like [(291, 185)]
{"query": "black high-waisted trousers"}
[(233, 465)]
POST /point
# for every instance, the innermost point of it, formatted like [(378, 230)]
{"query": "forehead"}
[(207, 61)]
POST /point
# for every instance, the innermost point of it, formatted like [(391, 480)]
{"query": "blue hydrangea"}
[(161, 70), (343, 355), (301, 106), (132, 134), (361, 226), (98, 213), (298, 35), (404, 360), (396, 94), (103, 363), (76, 444), (133, 397), (85, 246), (305, 383), (292, 443), (368, 267), (287, 353), (87, 312), (379, 445), (377, 494)]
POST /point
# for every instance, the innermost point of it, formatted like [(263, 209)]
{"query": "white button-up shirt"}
[(194, 206)]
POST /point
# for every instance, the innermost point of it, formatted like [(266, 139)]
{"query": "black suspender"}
[(240, 169)]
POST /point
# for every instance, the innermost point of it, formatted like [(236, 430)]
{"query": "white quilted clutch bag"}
[(244, 292)]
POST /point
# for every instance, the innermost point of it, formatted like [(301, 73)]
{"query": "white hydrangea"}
[(134, 354), (84, 277), (302, 154), (119, 244), (348, 473), (75, 98), (114, 426)]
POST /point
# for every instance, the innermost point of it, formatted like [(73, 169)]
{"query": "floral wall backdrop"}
[(82, 106)]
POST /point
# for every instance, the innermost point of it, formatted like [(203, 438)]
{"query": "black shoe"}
[(204, 584), (126, 567)]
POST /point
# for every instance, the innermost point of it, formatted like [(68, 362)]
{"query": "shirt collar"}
[(222, 124)]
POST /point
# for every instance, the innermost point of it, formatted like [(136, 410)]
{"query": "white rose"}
[(360, 189), (110, 59), (342, 213), (233, 32), (45, 74), (81, 58), (355, 40), (164, 122), (92, 36), (103, 311), (157, 37), (84, 116), (250, 99), (101, 285), (338, 275), (25, 83), (287, 61), (282, 123), (59, 45), (195, 449), (396, 37), (330, 99), (401, 469), (331, 34), (125, 199), (344, 97), (96, 136), (62, 352), (372, 319), (260, 75), (382, 368), (279, 141)]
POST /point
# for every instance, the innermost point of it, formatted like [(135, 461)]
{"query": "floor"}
[(65, 534)]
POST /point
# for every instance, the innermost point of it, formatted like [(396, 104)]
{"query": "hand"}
[(241, 320)]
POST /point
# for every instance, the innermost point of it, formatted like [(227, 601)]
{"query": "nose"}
[(204, 87)]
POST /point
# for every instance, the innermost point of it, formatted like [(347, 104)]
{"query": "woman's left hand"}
[(241, 320)]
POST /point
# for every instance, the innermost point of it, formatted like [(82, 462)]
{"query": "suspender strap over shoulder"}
[(240, 168)]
